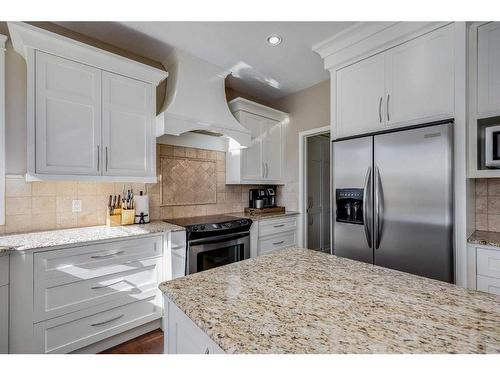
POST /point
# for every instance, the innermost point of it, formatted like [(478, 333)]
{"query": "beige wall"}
[(308, 109)]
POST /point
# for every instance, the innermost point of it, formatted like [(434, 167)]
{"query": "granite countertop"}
[(270, 215), (485, 238), (62, 237), (302, 301)]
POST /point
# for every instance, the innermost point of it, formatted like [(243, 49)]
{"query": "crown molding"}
[(27, 37), (242, 104), (365, 39)]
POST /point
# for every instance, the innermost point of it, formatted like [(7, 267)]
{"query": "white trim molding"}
[(365, 39), (242, 104), (26, 38), (3, 39)]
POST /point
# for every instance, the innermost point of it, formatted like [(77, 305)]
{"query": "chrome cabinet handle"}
[(378, 208), (106, 286), (278, 243), (279, 225), (388, 98), (108, 321), (380, 110), (207, 351), (263, 170), (267, 170), (366, 206), (98, 157), (107, 256), (106, 158)]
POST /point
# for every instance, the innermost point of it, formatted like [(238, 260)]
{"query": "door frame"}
[(302, 228)]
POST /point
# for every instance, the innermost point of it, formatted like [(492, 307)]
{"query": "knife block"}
[(114, 217), (128, 216)]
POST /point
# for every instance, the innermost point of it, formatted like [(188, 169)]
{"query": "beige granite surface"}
[(485, 238), (37, 240), (271, 215), (301, 301)]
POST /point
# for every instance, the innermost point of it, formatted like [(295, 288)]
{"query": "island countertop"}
[(302, 301)]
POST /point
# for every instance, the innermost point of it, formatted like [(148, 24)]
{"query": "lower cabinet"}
[(484, 268), (183, 336), (4, 304), (272, 234), (63, 300)]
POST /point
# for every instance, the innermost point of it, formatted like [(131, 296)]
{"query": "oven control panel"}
[(235, 224)]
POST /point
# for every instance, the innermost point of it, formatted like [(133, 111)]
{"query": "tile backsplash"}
[(488, 204), (34, 206)]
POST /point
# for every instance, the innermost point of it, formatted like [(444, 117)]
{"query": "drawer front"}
[(4, 270), (87, 262), (276, 242), (275, 226), (4, 319), (53, 299), (71, 332), (488, 262), (488, 284)]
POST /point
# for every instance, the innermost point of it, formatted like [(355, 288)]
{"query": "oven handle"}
[(217, 239)]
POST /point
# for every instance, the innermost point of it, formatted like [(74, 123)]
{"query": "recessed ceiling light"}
[(273, 40)]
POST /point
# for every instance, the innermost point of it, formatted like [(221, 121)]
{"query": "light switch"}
[(76, 205)]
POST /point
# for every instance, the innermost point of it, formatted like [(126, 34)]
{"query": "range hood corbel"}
[(196, 100)]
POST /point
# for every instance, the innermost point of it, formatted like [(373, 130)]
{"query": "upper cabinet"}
[(91, 114), (488, 69), (409, 84), (263, 161), (3, 39)]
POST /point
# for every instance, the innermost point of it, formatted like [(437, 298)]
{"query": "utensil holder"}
[(128, 216), (114, 218)]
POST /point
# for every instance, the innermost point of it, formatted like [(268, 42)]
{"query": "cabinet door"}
[(420, 79), (68, 116), (488, 64), (360, 92), (272, 150), (4, 319), (252, 166), (128, 136)]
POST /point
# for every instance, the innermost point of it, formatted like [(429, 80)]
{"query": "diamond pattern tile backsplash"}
[(488, 204), (34, 206)]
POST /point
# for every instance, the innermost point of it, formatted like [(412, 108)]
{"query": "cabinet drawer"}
[(488, 284), (75, 331), (87, 262), (488, 262), (280, 241), (53, 299), (4, 270), (274, 226)]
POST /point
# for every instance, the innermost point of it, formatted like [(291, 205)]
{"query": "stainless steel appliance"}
[(214, 241), (492, 149), (262, 197), (394, 200)]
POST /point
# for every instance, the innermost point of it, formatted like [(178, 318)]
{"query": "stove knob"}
[(202, 227), (194, 228)]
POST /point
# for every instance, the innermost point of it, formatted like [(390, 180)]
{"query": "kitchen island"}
[(301, 301)]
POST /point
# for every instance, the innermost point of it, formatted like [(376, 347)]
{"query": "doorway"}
[(316, 189)]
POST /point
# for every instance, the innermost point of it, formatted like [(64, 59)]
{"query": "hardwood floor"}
[(149, 343)]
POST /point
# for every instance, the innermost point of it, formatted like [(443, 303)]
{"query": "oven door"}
[(216, 251), (492, 137)]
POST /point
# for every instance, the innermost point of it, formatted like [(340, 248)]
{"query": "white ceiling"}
[(258, 69)]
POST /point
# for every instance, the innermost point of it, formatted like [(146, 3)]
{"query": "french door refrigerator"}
[(393, 200)]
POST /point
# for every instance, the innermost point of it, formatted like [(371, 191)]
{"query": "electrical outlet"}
[(76, 205)]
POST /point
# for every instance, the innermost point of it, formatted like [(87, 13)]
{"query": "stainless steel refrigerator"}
[(393, 200)]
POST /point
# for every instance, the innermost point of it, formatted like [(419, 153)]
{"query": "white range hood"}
[(196, 101)]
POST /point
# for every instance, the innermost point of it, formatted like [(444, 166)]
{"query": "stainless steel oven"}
[(206, 253), (213, 241)]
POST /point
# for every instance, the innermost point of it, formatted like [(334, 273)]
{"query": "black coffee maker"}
[(262, 197)]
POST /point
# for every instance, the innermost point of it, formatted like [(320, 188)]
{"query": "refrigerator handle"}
[(378, 208), (366, 207)]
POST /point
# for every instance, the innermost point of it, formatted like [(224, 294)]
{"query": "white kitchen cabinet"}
[(68, 116), (4, 304), (419, 79), (128, 138), (484, 268), (90, 113), (359, 96), (488, 69), (183, 336), (263, 162), (409, 84), (267, 235)]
